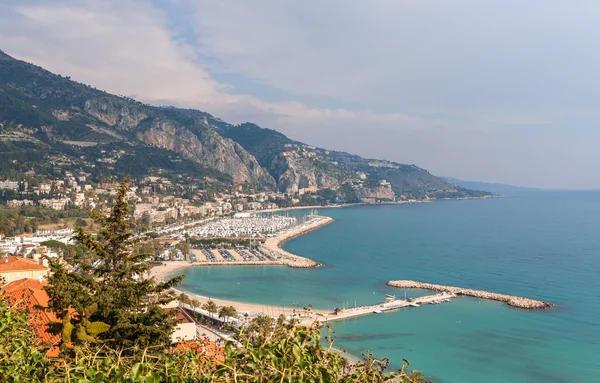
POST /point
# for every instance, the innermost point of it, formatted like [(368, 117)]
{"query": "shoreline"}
[(274, 245), (345, 205), (510, 300), (271, 246)]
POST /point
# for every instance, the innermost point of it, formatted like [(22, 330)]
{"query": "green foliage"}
[(69, 252), (20, 360), (282, 351), (114, 303)]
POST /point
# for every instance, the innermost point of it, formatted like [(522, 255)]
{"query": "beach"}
[(168, 269), (271, 245)]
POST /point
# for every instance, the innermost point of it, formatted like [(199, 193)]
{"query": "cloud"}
[(467, 89)]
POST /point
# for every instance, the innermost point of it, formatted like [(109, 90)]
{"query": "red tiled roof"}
[(11, 263), (205, 348), (29, 295)]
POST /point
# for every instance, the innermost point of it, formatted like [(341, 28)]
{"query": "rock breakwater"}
[(511, 300), (272, 246)]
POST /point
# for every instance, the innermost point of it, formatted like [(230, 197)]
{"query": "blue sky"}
[(499, 91)]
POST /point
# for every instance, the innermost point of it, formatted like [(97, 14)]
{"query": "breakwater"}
[(511, 300), (272, 246)]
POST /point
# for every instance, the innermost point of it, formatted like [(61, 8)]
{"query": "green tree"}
[(184, 247), (110, 285), (20, 360), (211, 307), (227, 312)]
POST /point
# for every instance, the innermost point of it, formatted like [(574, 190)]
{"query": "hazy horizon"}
[(499, 92)]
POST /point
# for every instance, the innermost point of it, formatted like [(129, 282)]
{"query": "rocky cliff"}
[(207, 147)]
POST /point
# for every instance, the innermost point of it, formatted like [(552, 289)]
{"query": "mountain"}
[(48, 120), (48, 110), (296, 166), (496, 188)]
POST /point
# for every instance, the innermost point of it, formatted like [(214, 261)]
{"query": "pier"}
[(388, 306), (511, 300)]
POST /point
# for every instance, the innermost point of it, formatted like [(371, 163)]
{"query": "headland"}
[(511, 300)]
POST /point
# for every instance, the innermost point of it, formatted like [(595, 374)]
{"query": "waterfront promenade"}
[(511, 300)]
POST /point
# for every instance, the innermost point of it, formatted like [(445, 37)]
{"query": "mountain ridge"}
[(75, 120)]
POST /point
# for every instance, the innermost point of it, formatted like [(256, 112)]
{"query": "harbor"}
[(511, 300)]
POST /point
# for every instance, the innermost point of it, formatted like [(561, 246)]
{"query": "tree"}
[(184, 298), (211, 307), (227, 312), (108, 286), (80, 222), (184, 247)]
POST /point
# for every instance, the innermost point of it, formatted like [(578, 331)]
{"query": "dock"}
[(388, 306), (511, 300)]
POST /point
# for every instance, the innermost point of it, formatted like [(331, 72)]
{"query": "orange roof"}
[(11, 263), (203, 347), (28, 295)]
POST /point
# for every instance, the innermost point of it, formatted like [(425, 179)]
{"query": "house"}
[(29, 296), (16, 268), (186, 327)]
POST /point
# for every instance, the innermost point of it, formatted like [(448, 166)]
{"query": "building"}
[(17, 202), (185, 329), (29, 296), (55, 203), (17, 268), (9, 185)]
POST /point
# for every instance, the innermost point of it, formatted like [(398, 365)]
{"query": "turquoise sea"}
[(540, 245)]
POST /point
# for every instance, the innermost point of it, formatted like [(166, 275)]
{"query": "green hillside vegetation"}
[(50, 123)]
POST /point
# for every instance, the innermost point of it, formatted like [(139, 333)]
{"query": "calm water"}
[(544, 246)]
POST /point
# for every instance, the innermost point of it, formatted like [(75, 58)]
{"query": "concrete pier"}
[(511, 300), (387, 306)]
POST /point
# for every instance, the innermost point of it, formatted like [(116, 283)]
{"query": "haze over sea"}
[(542, 245)]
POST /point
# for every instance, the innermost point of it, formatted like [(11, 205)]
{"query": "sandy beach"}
[(167, 269), (272, 245)]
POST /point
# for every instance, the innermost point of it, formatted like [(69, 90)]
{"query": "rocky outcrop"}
[(114, 112), (381, 192), (511, 300), (205, 146), (294, 172)]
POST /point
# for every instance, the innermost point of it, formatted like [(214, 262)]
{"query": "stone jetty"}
[(272, 246), (519, 302)]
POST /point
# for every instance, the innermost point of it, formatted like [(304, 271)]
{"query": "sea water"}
[(537, 245)]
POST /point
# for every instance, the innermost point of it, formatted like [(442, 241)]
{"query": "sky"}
[(499, 90)]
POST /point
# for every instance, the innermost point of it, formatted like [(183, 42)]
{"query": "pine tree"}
[(109, 288)]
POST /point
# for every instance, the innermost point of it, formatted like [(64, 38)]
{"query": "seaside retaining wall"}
[(519, 302)]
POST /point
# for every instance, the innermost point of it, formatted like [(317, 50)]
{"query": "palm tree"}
[(227, 311), (211, 307)]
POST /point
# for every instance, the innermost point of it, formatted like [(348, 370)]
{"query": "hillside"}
[(59, 116), (296, 166), (47, 119)]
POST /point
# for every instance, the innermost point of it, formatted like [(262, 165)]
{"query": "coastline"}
[(349, 205), (274, 245)]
